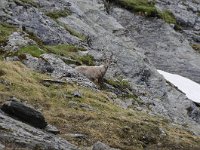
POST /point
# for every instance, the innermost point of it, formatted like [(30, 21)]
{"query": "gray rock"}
[(37, 64), (24, 113), (52, 129), (138, 44), (123, 103), (186, 14), (77, 94), (24, 136), (83, 53), (161, 49), (77, 135), (17, 40), (34, 21), (2, 147), (101, 146), (134, 42), (14, 58), (194, 112)]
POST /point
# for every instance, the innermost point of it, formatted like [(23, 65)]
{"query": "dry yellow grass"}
[(125, 129)]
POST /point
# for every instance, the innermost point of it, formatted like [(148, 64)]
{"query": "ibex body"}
[(94, 73)]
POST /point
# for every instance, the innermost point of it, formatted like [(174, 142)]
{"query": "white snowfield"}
[(187, 86)]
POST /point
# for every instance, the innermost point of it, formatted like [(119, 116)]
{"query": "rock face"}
[(24, 113), (20, 135), (139, 46), (38, 64), (52, 129), (28, 137), (36, 22), (116, 33), (170, 52), (186, 14), (18, 40)]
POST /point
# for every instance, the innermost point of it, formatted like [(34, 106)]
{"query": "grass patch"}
[(5, 31), (125, 129), (146, 8), (63, 49), (122, 88), (58, 14), (86, 59), (168, 17), (142, 6), (119, 83), (66, 50), (33, 50)]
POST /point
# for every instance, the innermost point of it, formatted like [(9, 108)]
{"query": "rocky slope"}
[(52, 37)]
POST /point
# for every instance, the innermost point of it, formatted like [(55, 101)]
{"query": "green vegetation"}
[(146, 8), (63, 49), (87, 60), (70, 51), (119, 83), (58, 13), (125, 88), (168, 17), (34, 50), (125, 129), (5, 31), (141, 6)]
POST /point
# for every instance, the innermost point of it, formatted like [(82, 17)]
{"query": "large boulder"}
[(37, 64), (18, 135), (24, 113)]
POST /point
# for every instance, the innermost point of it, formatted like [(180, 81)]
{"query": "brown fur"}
[(95, 73)]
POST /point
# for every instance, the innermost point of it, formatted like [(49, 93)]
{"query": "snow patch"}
[(187, 86)]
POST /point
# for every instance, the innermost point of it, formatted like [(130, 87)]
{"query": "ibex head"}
[(107, 61)]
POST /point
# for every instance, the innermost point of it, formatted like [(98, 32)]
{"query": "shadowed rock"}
[(24, 136), (24, 113)]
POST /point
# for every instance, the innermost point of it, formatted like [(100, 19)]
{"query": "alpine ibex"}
[(95, 73)]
